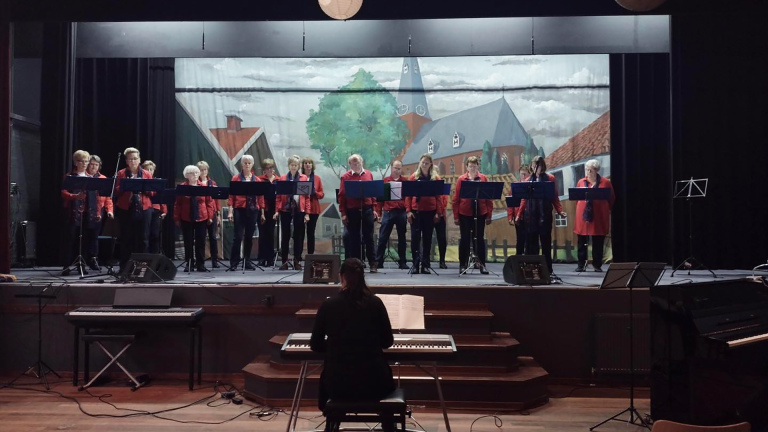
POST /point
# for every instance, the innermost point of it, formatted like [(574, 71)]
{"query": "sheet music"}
[(405, 311), (395, 191)]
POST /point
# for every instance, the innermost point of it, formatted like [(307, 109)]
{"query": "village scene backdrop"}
[(505, 110)]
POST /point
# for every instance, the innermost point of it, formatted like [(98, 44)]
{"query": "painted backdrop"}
[(505, 110)]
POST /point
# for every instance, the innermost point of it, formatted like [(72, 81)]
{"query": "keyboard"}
[(130, 315), (406, 346)]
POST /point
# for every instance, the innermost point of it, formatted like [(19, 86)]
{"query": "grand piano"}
[(709, 351)]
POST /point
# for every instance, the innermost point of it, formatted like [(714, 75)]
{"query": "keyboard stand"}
[(195, 342), (304, 372)]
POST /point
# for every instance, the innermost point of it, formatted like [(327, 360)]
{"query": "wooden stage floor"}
[(388, 276), (29, 408)]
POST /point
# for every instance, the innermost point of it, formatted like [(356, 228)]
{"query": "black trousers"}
[(267, 238), (421, 237), (353, 242), (155, 228), (285, 234), (598, 242), (194, 239), (442, 241), (133, 233), (211, 231), (467, 238), (391, 219), (91, 240), (70, 242), (245, 226), (522, 235), (311, 225), (532, 244)]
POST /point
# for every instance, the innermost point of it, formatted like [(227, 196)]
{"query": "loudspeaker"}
[(145, 267), (526, 270), (321, 269)]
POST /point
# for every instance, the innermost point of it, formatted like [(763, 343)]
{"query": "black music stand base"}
[(40, 365), (634, 418), (692, 263)]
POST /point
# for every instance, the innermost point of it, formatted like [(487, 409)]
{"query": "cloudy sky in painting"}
[(291, 87)]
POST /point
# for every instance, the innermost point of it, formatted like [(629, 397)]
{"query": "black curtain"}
[(118, 103), (641, 157)]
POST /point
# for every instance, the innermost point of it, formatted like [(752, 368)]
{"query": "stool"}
[(98, 338), (391, 408)]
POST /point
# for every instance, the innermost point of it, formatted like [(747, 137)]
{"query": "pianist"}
[(357, 328)]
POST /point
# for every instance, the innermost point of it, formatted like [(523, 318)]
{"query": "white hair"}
[(594, 164), (248, 158), (191, 169)]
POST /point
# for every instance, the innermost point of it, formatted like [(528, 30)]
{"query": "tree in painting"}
[(361, 117)]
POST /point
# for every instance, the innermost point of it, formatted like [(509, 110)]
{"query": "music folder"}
[(101, 185), (358, 189), (287, 187), (429, 188), (138, 185), (589, 194), (533, 190)]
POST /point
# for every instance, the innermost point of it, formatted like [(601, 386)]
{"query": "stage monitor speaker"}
[(632, 274), (145, 267), (321, 269), (526, 270)]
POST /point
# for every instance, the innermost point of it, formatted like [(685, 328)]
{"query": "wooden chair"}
[(670, 426)]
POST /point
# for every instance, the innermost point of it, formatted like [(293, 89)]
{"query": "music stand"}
[(589, 194), (152, 187), (289, 188), (85, 184), (40, 365), (529, 190), (477, 190), (420, 189), (359, 190), (631, 275), (248, 188), (687, 189)]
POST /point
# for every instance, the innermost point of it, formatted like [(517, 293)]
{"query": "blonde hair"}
[(130, 150), (81, 154), (432, 171), (267, 163), (355, 155), (305, 160), (472, 159), (191, 169), (293, 159), (525, 168), (203, 165), (147, 164)]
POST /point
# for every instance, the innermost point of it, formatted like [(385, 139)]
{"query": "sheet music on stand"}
[(406, 312)]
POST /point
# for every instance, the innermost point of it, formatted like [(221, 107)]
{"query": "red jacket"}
[(601, 212), (463, 206), (390, 205), (205, 210), (555, 201), (124, 198), (282, 200), (105, 201), (216, 203), (69, 198), (425, 203), (353, 203), (314, 199), (241, 201)]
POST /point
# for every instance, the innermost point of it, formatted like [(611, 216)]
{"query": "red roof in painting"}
[(234, 137), (593, 140)]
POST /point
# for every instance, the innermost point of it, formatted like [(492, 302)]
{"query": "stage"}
[(511, 340)]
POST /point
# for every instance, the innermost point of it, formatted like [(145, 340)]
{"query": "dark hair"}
[(354, 274)]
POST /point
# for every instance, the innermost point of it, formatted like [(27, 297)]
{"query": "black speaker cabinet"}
[(526, 270), (145, 267)]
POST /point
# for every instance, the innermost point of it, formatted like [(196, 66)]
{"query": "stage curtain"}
[(117, 103)]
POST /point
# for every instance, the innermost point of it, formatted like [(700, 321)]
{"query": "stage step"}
[(524, 388)]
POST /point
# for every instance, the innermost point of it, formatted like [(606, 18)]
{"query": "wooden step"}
[(270, 383)]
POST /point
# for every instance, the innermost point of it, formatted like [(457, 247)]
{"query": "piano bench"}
[(392, 408), (99, 338)]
